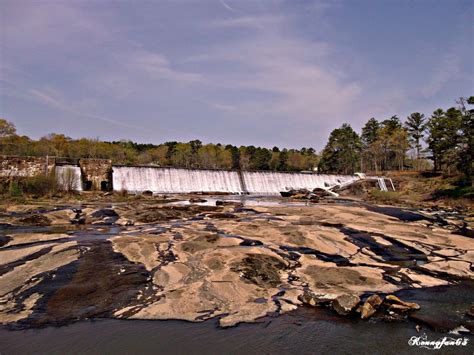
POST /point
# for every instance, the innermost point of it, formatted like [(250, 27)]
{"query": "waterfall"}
[(271, 183), (68, 177), (173, 180)]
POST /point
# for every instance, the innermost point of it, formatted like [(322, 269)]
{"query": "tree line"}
[(193, 154), (442, 142), (395, 145)]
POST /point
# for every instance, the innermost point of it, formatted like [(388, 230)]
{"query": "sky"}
[(244, 72)]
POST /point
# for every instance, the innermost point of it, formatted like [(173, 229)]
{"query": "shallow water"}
[(306, 331)]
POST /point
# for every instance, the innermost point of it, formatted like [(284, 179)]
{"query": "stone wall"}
[(96, 174), (25, 166)]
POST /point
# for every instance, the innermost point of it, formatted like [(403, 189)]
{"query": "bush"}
[(456, 192), (39, 185), (15, 189)]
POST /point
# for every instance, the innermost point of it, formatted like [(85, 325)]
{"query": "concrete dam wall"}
[(174, 180), (100, 174)]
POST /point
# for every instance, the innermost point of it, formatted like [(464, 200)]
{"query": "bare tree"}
[(68, 180)]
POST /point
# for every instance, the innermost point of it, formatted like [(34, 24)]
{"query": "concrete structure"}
[(25, 166), (96, 174), (100, 174)]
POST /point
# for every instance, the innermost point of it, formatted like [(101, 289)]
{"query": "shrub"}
[(15, 189), (40, 185)]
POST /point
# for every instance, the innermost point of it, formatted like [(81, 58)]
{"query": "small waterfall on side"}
[(174, 180), (69, 178)]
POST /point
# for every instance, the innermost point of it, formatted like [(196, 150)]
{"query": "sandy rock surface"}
[(195, 262)]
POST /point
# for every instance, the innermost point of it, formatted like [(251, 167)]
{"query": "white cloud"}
[(49, 97), (298, 74)]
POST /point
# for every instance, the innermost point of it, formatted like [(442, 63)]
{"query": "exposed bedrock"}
[(148, 260)]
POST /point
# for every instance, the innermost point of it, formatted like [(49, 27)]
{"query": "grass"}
[(455, 192)]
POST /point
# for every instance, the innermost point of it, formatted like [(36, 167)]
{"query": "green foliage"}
[(40, 185), (342, 152), (6, 128), (15, 189), (456, 192), (416, 126), (443, 138), (370, 132)]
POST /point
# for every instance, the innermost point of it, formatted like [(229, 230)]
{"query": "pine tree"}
[(416, 125)]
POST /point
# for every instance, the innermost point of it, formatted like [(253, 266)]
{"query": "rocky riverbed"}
[(235, 262)]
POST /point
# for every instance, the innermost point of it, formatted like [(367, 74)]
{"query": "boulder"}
[(396, 304), (313, 299), (35, 220), (147, 193), (106, 212), (370, 306), (344, 304), (197, 200), (229, 203)]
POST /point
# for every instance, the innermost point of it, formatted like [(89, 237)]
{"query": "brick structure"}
[(96, 174), (25, 166)]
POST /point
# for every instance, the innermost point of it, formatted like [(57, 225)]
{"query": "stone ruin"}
[(96, 174)]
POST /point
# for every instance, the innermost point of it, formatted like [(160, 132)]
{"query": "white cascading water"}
[(69, 177), (272, 183), (172, 180)]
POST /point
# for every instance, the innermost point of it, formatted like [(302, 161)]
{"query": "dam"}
[(176, 180), (101, 174)]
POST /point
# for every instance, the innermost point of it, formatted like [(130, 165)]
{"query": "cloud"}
[(46, 96), (298, 76), (157, 66), (227, 6), (256, 22)]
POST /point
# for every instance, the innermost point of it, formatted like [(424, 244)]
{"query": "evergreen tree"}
[(342, 152), (416, 125), (443, 139)]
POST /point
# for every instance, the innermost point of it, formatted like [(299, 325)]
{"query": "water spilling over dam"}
[(174, 180), (69, 177), (270, 183), (101, 174)]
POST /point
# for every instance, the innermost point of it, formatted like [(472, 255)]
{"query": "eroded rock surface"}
[(149, 260)]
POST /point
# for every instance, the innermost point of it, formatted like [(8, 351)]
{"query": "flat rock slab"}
[(159, 261)]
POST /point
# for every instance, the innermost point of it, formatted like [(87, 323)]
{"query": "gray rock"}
[(344, 304), (313, 299)]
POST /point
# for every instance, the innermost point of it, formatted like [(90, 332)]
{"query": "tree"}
[(466, 139), (260, 160), (443, 138), (416, 125), (6, 128), (342, 152), (392, 124), (368, 137), (369, 131), (282, 160)]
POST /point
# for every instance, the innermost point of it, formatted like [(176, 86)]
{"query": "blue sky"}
[(260, 72)]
